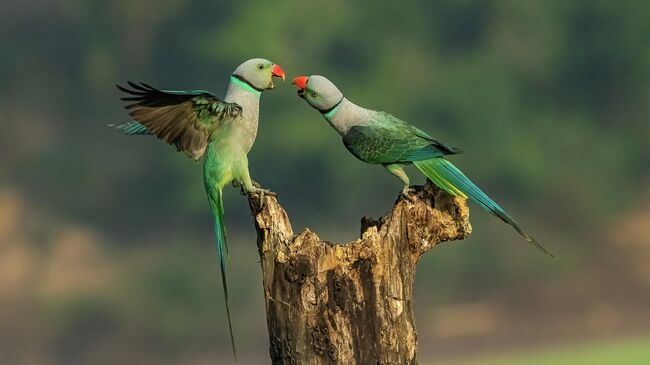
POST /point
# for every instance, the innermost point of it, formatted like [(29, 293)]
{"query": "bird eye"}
[(260, 66), (314, 94)]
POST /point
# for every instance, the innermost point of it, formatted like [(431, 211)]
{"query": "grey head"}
[(319, 92), (258, 73)]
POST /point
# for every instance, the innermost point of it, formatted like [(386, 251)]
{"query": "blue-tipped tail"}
[(449, 178), (216, 204), (132, 128)]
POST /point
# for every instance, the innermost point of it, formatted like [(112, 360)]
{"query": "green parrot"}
[(380, 138), (200, 124)]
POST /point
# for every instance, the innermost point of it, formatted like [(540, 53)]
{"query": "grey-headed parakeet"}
[(201, 125), (380, 138)]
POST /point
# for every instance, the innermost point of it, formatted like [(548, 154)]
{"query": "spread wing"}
[(184, 119), (388, 140)]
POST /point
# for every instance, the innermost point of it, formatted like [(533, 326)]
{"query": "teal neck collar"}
[(245, 85), (329, 113)]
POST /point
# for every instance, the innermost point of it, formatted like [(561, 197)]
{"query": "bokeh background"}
[(106, 243)]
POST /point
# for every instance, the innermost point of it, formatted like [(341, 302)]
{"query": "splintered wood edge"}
[(432, 218)]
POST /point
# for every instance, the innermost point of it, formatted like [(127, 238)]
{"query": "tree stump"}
[(350, 303)]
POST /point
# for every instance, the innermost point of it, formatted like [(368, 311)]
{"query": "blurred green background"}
[(106, 243)]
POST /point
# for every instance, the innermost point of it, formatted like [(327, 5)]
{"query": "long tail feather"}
[(449, 178), (216, 204)]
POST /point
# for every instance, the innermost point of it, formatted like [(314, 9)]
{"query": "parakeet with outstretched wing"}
[(199, 124)]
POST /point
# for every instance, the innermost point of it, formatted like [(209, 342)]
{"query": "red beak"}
[(277, 71), (301, 81)]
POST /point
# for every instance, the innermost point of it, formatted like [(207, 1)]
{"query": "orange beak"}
[(301, 81), (277, 71)]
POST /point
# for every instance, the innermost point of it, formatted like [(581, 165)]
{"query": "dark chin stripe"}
[(242, 79), (332, 108)]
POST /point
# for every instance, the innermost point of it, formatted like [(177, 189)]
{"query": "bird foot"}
[(242, 188), (263, 193), (258, 189), (408, 194), (255, 189)]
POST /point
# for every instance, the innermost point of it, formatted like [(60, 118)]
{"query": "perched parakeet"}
[(380, 138), (200, 124)]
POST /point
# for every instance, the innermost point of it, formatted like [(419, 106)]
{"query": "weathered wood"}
[(351, 303)]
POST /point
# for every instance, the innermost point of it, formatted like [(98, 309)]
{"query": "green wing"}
[(184, 119), (387, 139)]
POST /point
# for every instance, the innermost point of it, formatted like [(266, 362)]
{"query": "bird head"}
[(259, 73), (319, 92)]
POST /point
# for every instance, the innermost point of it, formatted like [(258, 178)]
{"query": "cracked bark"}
[(350, 303)]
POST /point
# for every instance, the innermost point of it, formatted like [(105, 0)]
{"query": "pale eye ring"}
[(314, 94), (260, 66)]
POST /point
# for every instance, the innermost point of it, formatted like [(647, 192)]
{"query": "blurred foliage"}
[(633, 351), (550, 101)]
